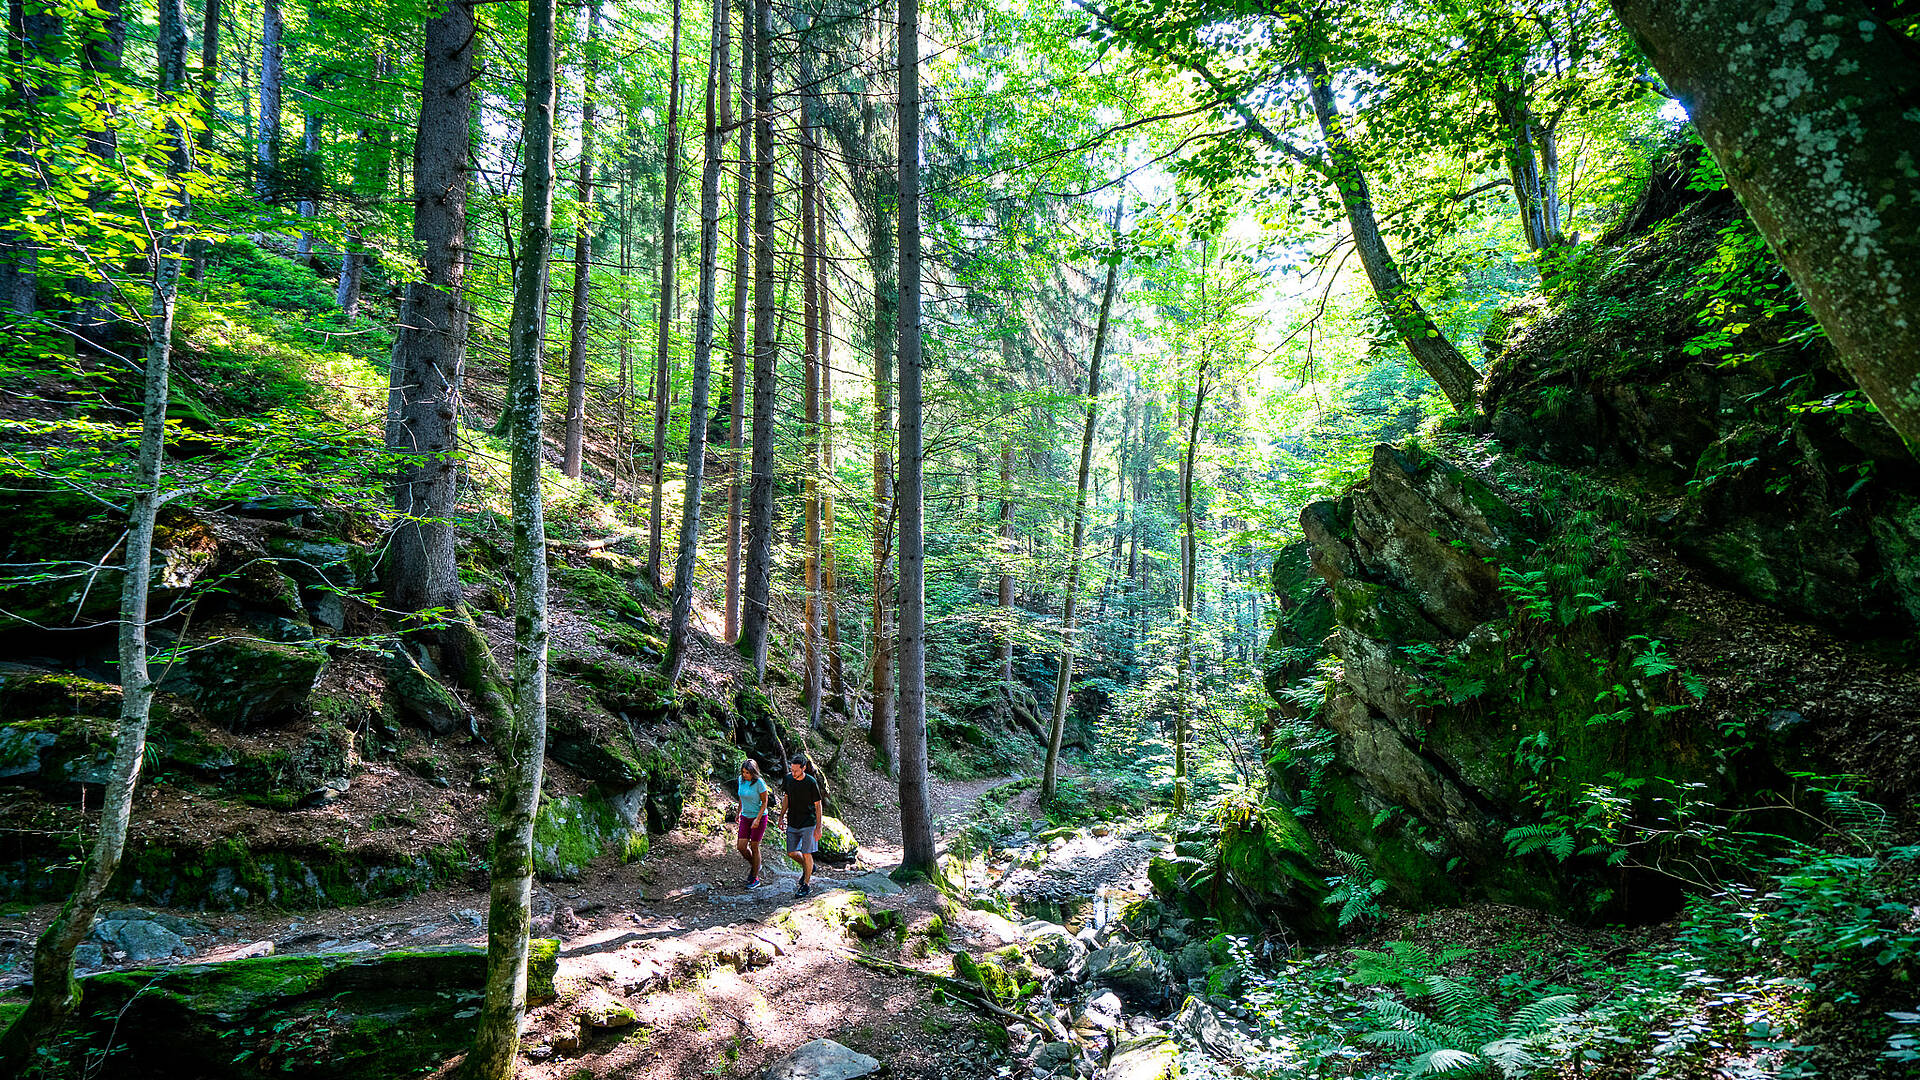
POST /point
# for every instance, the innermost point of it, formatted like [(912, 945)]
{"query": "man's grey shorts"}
[(801, 841)]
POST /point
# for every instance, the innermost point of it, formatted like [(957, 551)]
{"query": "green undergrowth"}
[(1806, 971)]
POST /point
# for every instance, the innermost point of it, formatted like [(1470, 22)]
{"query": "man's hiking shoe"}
[(802, 891)]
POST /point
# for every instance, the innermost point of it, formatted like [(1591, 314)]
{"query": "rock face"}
[(320, 1017), (1776, 480)]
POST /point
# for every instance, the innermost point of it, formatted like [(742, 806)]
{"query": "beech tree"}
[(520, 742), (56, 993), (1810, 110)]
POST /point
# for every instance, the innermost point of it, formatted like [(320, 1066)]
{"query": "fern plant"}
[(1465, 1033), (1355, 895)]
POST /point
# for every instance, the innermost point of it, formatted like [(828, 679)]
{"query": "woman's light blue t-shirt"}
[(750, 796)]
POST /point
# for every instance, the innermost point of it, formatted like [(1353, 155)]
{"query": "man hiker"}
[(751, 792), (801, 810)]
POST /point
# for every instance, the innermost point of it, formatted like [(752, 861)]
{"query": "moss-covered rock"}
[(230, 875), (317, 1017), (837, 842), (571, 831), (1134, 969), (242, 682)]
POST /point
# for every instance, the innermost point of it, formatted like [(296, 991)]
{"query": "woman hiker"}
[(751, 793), (802, 813)]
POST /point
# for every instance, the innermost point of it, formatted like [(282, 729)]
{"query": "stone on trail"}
[(876, 883), (823, 1059), (1200, 1027)]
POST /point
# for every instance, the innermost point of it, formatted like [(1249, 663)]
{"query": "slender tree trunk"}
[(1423, 337), (1538, 222), (719, 114), (662, 359), (758, 586), (309, 205), (916, 820), (521, 743), (576, 434), (14, 250), (1063, 680), (267, 143), (1003, 652), (829, 567), (33, 28), (209, 110), (1814, 119), (101, 57), (810, 308), (56, 994), (881, 190), (742, 252), (1188, 559)]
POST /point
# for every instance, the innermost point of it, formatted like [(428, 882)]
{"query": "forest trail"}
[(669, 968)]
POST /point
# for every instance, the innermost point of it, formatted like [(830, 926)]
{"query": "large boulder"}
[(1134, 969), (837, 842), (822, 1059), (243, 682)]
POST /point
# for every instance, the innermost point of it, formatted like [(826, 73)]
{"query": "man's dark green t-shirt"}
[(803, 792)]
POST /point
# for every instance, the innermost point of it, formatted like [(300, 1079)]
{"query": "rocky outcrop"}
[(1756, 456), (320, 1017)]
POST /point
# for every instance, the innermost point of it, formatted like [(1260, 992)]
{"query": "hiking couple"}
[(800, 807)]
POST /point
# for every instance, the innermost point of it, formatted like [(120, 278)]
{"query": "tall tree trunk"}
[(56, 994), (1003, 652), (829, 567), (1523, 133), (662, 359), (309, 205), (272, 59), (916, 819), (32, 30), (1063, 681), (1423, 337), (1189, 558), (209, 109), (1814, 119), (742, 252), (521, 743), (719, 115), (576, 434), (100, 58), (429, 361), (810, 357), (881, 190), (758, 586)]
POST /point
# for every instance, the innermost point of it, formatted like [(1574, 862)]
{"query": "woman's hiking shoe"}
[(752, 883)]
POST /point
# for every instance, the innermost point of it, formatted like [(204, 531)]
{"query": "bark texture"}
[(719, 91), (759, 572), (662, 357), (1812, 110), (737, 385), (916, 821), (522, 740), (430, 350), (576, 433)]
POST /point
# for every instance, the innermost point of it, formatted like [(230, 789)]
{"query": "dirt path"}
[(719, 981)]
